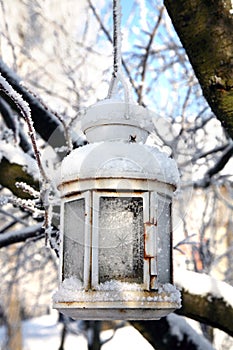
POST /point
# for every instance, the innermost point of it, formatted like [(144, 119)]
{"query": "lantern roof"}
[(119, 160)]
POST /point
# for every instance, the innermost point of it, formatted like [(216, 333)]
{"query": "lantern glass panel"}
[(121, 239), (73, 244), (164, 240)]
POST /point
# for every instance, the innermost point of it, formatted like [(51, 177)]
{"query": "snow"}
[(118, 286), (119, 159), (71, 290), (126, 338), (45, 333), (28, 189), (204, 285), (180, 328), (167, 164)]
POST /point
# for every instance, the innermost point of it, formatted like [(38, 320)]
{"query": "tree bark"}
[(205, 29), (10, 173), (209, 310)]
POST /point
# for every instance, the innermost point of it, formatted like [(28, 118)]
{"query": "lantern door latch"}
[(151, 252)]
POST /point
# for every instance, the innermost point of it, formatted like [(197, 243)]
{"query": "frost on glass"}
[(121, 239), (164, 241), (73, 246)]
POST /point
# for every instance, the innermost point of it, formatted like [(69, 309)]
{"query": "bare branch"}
[(44, 122), (146, 56), (22, 235), (219, 165), (15, 220)]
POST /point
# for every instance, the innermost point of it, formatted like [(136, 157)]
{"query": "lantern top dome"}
[(119, 160), (113, 120)]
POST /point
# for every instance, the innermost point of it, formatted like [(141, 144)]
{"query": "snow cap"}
[(119, 160), (112, 120)]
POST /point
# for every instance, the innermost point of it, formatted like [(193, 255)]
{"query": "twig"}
[(147, 53), (57, 115), (219, 165), (26, 113)]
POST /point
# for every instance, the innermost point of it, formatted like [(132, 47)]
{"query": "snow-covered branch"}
[(26, 113), (206, 299), (9, 120), (11, 170), (172, 332), (44, 122), (21, 235)]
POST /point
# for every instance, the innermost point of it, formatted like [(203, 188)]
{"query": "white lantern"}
[(116, 247)]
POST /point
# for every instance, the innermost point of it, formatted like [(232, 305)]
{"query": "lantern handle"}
[(117, 75)]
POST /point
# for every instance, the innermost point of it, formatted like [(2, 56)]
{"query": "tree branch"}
[(22, 235), (218, 166), (10, 173), (146, 56), (45, 123), (7, 115), (204, 299), (171, 332), (26, 113), (209, 303)]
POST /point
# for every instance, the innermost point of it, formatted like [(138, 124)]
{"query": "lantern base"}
[(116, 300), (116, 310)]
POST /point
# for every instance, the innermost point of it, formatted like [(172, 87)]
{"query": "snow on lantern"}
[(116, 249)]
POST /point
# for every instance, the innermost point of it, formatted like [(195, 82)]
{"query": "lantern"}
[(116, 246)]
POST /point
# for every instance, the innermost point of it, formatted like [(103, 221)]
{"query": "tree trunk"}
[(205, 29), (14, 332), (93, 335)]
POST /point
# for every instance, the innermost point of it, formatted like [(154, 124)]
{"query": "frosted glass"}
[(121, 239), (164, 241), (74, 233)]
